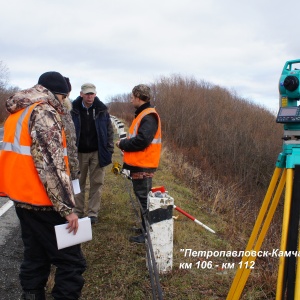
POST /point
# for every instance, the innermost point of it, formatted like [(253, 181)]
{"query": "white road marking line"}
[(6, 207)]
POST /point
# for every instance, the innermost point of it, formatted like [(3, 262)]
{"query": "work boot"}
[(33, 295), (136, 230), (140, 239), (94, 220)]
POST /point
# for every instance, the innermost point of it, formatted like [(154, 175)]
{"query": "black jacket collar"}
[(142, 107), (98, 105)]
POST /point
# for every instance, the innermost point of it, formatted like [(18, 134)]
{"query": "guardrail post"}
[(160, 217), (114, 120), (120, 128)]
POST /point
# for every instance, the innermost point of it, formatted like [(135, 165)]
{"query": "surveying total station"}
[(286, 175)]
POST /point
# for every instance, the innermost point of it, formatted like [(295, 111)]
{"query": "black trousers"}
[(40, 251), (141, 188)]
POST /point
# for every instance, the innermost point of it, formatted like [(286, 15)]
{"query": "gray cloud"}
[(117, 44)]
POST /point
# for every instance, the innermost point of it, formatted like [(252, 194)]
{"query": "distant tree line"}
[(221, 144), (5, 91)]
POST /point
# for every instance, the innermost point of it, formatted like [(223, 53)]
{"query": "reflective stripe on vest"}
[(19, 178), (150, 156), (15, 146)]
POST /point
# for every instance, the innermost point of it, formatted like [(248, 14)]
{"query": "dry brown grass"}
[(117, 269)]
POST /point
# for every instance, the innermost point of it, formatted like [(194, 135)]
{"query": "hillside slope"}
[(117, 269)]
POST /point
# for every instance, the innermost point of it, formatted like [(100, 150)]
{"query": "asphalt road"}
[(11, 248)]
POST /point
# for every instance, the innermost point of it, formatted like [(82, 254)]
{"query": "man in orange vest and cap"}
[(35, 174), (142, 149)]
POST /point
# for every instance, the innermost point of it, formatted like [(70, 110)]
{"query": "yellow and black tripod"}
[(286, 174)]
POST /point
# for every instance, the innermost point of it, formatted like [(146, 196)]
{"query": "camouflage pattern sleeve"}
[(71, 145), (48, 156)]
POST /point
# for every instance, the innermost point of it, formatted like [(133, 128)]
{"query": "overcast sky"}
[(117, 44)]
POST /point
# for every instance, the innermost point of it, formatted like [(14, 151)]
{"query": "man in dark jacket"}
[(142, 148), (94, 139)]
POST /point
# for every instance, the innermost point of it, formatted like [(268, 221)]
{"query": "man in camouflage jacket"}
[(37, 222)]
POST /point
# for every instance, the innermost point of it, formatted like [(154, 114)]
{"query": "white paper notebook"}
[(65, 239), (76, 187)]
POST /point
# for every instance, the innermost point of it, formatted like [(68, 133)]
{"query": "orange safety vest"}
[(149, 157), (19, 179)]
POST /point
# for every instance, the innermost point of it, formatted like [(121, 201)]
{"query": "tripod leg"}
[(286, 218), (297, 282), (256, 247), (242, 273), (292, 242)]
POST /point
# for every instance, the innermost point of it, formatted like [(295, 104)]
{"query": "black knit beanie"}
[(54, 82), (68, 84)]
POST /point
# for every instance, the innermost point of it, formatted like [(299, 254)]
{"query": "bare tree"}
[(5, 90), (3, 75)]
